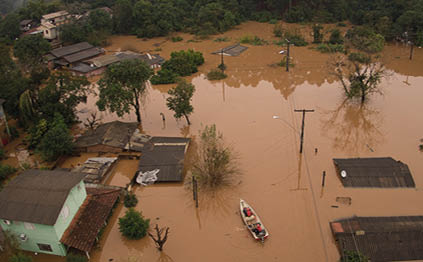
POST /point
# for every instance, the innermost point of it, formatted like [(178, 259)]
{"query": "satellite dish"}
[(343, 174)]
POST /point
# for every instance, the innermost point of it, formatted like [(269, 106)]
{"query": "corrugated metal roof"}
[(79, 56), (233, 50), (381, 238), (168, 159), (374, 172), (37, 196), (104, 60), (54, 15), (70, 49)]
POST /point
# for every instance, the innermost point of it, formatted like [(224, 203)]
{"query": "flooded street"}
[(254, 109)]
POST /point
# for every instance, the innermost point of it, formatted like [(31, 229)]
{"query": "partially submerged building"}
[(70, 56), (50, 23), (380, 238), (45, 208), (373, 172), (153, 60), (233, 50), (96, 169), (165, 154), (111, 137)]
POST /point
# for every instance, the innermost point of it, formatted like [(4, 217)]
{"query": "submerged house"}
[(69, 56), (42, 208), (373, 172), (233, 50), (380, 238)]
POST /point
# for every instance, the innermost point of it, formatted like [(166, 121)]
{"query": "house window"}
[(29, 226), (44, 247), (47, 32), (65, 212)]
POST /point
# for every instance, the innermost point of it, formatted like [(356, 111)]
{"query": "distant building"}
[(50, 211), (154, 61), (71, 55), (50, 23), (26, 25), (233, 50)]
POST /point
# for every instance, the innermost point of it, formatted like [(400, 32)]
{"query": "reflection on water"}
[(355, 126)]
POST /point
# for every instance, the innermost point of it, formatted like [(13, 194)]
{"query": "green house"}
[(39, 205)]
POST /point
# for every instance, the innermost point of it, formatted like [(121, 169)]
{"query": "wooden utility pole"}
[(287, 56), (195, 191), (302, 126), (222, 64)]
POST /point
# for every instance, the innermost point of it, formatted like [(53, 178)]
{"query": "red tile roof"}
[(91, 217)]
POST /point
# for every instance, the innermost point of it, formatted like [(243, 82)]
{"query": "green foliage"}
[(341, 24), (295, 38), (57, 141), (20, 257), (37, 132), (262, 16), (2, 153), (9, 27), (30, 50), (336, 37), (365, 39), (330, 48), (122, 86), (76, 258), (6, 171), (100, 20), (179, 100), (12, 83), (252, 40), (353, 256), (130, 200), (277, 30), (222, 39), (216, 74), (216, 164), (164, 76), (273, 21), (133, 225), (62, 93), (360, 58), (317, 35), (176, 39)]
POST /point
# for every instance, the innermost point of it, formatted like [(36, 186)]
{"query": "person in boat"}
[(247, 211)]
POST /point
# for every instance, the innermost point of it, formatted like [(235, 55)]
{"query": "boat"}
[(252, 221)]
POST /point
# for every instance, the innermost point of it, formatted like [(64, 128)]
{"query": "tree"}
[(130, 200), (317, 35), (353, 256), (30, 51), (184, 63), (10, 246), (12, 83), (133, 225), (365, 39), (122, 16), (180, 100), (122, 86), (158, 239), (358, 75), (336, 37), (100, 20), (57, 141), (9, 27), (216, 164), (62, 93)]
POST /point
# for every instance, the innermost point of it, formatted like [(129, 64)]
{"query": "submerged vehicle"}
[(252, 221)]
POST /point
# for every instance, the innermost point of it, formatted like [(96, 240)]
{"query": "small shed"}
[(96, 168), (153, 60), (381, 238), (233, 50), (166, 154), (373, 172)]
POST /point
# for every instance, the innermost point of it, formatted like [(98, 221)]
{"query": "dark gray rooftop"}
[(37, 196), (150, 59), (169, 159), (83, 68), (25, 22), (233, 50), (381, 238), (114, 134), (374, 172), (85, 54), (70, 49)]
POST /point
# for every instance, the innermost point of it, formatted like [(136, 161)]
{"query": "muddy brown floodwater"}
[(284, 188)]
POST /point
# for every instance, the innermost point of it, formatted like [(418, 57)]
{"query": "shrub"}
[(329, 48), (273, 21), (222, 39), (296, 39), (336, 37), (252, 40), (164, 76), (216, 74), (13, 132), (133, 225), (277, 30), (341, 24), (6, 171), (176, 39), (76, 258), (130, 200)]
